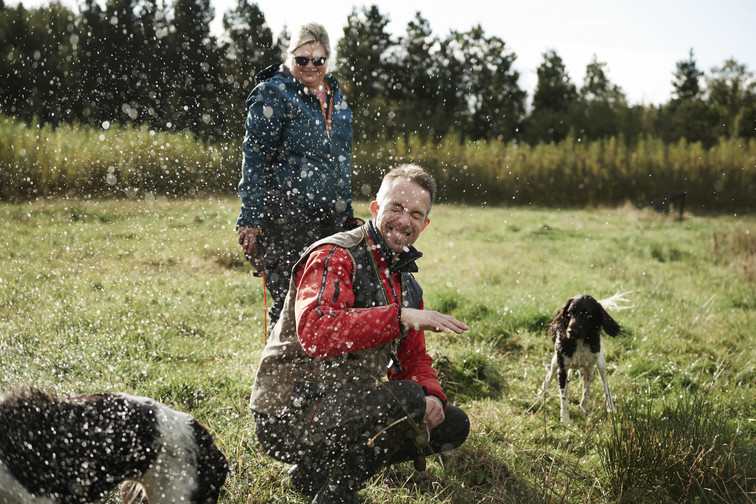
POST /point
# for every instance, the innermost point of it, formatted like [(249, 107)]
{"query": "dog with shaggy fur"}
[(79, 449)]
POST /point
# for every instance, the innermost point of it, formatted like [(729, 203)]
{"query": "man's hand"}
[(429, 320), (434, 411), (248, 238)]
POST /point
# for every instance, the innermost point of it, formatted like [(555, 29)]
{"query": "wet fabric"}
[(320, 399), (289, 228), (345, 435), (289, 147), (365, 331)]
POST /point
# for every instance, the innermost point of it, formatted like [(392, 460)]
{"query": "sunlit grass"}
[(152, 297)]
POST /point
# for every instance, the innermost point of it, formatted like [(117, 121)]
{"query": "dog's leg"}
[(601, 364), (564, 412), (589, 374), (550, 374)]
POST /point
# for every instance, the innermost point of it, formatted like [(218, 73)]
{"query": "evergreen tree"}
[(251, 46), (687, 79), (732, 96), (687, 115), (120, 62), (419, 88), (153, 30), (493, 103), (553, 100), (601, 104), (92, 31), (195, 60), (16, 77), (52, 62), (364, 70), (597, 87), (554, 90), (250, 49), (36, 74)]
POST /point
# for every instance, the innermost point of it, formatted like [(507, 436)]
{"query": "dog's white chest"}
[(583, 358)]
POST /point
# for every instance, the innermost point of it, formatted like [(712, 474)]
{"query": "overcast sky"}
[(640, 41)]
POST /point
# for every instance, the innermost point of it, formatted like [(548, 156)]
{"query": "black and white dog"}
[(78, 449), (576, 333)]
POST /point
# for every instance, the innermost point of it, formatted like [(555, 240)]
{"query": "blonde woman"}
[(295, 184)]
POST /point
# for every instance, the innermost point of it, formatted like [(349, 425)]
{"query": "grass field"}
[(152, 297)]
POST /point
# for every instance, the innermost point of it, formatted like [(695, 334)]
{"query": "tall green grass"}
[(78, 161), (152, 297), (136, 162), (688, 449)]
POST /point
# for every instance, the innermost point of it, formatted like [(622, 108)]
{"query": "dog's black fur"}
[(576, 334), (78, 449)]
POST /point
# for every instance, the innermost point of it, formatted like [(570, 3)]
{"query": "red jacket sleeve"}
[(327, 323), (417, 364)]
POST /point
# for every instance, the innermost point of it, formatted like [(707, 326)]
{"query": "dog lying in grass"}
[(79, 449), (576, 333)]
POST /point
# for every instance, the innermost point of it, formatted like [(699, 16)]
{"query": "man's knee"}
[(453, 431), (409, 397)]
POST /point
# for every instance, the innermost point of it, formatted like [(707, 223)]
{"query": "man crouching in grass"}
[(353, 309)]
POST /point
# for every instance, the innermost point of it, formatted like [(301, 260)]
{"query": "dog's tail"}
[(613, 303), (133, 493)]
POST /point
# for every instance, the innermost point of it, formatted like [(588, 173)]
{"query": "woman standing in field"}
[(295, 185)]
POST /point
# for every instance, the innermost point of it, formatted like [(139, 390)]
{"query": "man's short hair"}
[(415, 174)]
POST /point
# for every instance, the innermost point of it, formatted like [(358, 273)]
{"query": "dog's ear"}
[(611, 327), (560, 321)]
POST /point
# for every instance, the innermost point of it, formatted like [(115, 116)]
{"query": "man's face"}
[(401, 216)]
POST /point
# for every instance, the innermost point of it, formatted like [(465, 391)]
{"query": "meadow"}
[(151, 296)]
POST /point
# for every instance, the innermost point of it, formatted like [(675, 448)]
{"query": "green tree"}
[(92, 30), (687, 115), (37, 69), (493, 103), (121, 62), (601, 104), (732, 96), (153, 29), (687, 83), (364, 70), (553, 100), (251, 47), (196, 61), (16, 77), (597, 87), (411, 89)]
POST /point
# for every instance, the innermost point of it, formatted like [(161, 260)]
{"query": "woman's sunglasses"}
[(302, 61)]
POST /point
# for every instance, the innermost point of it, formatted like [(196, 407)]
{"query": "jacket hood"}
[(271, 71)]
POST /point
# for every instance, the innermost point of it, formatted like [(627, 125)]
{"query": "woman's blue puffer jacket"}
[(288, 148)]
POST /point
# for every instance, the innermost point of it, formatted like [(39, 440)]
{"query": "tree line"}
[(142, 62)]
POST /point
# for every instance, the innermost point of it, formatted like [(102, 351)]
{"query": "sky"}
[(640, 41)]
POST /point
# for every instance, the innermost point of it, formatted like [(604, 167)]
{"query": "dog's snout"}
[(572, 324)]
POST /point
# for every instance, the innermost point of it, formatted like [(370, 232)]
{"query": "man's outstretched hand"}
[(429, 320)]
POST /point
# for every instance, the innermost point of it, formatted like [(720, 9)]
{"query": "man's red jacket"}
[(329, 325)]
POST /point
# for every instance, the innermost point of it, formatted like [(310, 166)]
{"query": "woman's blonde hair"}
[(307, 33)]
